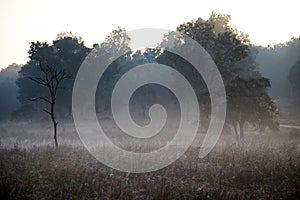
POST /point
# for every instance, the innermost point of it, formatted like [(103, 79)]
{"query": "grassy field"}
[(266, 166)]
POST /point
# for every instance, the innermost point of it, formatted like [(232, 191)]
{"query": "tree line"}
[(248, 99)]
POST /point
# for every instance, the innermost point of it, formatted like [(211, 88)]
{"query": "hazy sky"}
[(23, 21)]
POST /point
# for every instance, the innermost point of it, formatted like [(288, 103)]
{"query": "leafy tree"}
[(275, 63), (247, 97), (294, 78), (116, 43), (248, 101), (66, 52), (8, 90)]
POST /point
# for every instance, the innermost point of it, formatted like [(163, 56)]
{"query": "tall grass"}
[(256, 170)]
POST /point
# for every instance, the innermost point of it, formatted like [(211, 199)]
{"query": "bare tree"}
[(51, 78)]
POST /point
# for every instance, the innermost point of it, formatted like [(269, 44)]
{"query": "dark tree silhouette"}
[(276, 63), (246, 89), (8, 91), (50, 78), (68, 52), (294, 78)]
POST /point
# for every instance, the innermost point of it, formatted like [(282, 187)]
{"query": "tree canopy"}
[(294, 78), (247, 96), (9, 90), (231, 50), (66, 52)]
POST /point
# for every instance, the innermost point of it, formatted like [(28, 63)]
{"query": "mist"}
[(198, 112), (275, 63)]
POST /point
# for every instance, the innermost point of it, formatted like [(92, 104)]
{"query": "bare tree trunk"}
[(55, 133), (54, 123), (235, 131), (51, 80), (242, 122)]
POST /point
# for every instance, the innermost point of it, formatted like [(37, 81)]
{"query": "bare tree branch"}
[(42, 98), (47, 111), (51, 79), (39, 81)]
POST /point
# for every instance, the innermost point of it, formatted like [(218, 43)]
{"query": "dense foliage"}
[(234, 55)]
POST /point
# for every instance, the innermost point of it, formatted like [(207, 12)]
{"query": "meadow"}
[(265, 166)]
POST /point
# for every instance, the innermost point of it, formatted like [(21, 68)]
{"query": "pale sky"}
[(23, 21)]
